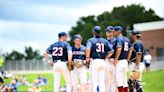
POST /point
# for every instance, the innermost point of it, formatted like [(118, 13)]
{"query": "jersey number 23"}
[(57, 51)]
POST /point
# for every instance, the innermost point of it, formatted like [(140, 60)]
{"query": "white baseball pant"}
[(78, 76), (97, 74), (110, 76), (121, 73), (60, 68)]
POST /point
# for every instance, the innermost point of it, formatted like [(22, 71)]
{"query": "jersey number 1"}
[(57, 51), (100, 47)]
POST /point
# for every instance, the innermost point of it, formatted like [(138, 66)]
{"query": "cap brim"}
[(138, 34), (108, 30)]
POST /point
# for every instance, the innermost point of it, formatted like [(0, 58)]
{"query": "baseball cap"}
[(136, 32), (109, 29), (97, 29), (118, 28), (77, 36), (62, 34)]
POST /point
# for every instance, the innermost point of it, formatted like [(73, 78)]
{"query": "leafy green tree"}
[(123, 16), (14, 55), (133, 14), (84, 27), (29, 54), (32, 54)]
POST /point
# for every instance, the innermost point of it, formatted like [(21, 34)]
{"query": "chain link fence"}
[(41, 66), (24, 65)]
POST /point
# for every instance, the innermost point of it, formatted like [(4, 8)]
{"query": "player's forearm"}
[(87, 52), (129, 55), (69, 56), (138, 59), (109, 55), (118, 52), (46, 56), (47, 59)]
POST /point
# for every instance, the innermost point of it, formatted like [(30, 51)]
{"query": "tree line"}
[(29, 54), (124, 16)]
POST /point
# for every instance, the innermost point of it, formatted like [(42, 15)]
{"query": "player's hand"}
[(115, 62), (50, 63), (70, 66), (87, 59), (107, 60), (87, 64)]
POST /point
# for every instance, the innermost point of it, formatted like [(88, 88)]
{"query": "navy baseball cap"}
[(62, 34), (77, 36), (109, 29), (136, 32), (118, 28), (97, 29)]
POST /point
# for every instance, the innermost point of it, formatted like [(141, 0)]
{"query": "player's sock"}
[(120, 89), (126, 89)]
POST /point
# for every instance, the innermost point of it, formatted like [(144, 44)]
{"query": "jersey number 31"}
[(100, 47)]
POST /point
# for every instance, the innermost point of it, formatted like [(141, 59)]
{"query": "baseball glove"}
[(50, 63), (87, 64), (135, 74), (70, 66), (78, 64)]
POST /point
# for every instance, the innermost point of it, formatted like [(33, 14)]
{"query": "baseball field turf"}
[(152, 81)]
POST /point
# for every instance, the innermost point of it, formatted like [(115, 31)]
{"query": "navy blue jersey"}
[(100, 47), (112, 42), (124, 43), (78, 53), (137, 48), (59, 50)]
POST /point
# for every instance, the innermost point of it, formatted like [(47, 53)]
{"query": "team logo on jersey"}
[(78, 53)]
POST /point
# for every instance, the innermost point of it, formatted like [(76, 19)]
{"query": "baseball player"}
[(136, 58), (79, 74), (121, 47), (110, 77), (61, 53), (99, 50)]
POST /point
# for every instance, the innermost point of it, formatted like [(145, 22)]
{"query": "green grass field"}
[(31, 77), (153, 81)]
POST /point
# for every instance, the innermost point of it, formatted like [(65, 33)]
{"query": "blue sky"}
[(36, 23)]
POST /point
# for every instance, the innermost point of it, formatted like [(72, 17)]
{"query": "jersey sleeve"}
[(89, 44), (84, 48), (119, 42), (138, 48), (69, 48), (110, 47), (49, 49), (130, 45)]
